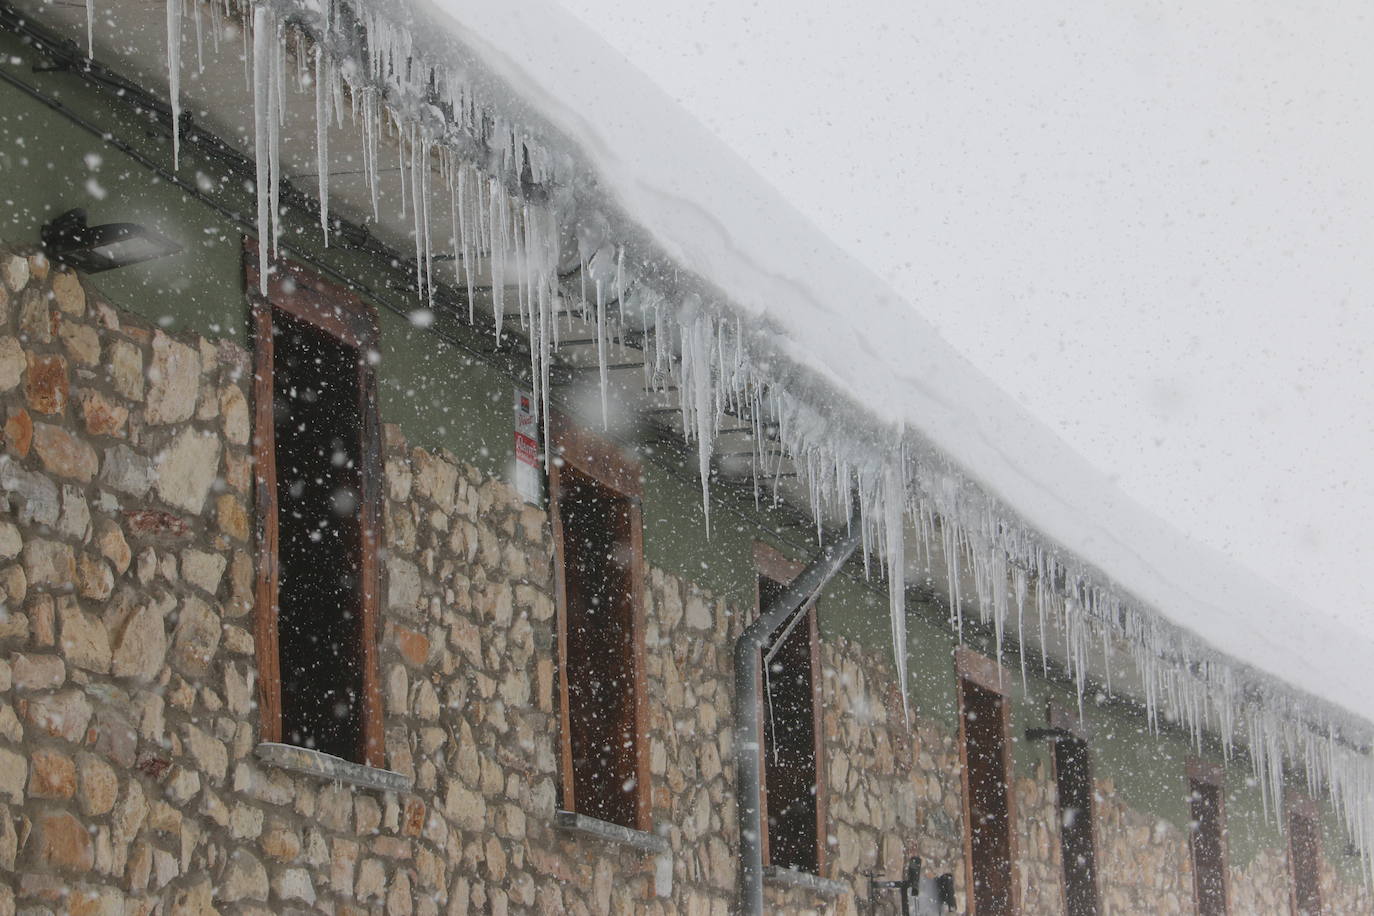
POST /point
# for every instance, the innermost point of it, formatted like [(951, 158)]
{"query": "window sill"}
[(642, 840), (327, 766), (791, 877)]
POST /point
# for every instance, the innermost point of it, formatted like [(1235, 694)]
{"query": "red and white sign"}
[(529, 468)]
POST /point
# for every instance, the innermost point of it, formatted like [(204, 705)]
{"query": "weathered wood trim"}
[(1058, 716), (1067, 718), (1207, 771), (818, 733), (987, 674), (643, 797), (771, 563), (1210, 773), (265, 500), (1300, 805), (593, 456), (307, 296), (982, 671), (370, 518)]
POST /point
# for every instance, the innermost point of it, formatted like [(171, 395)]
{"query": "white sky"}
[(1153, 225)]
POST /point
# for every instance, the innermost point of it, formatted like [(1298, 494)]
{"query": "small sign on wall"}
[(529, 467)]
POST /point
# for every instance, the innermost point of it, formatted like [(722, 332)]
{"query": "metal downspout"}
[(748, 726)]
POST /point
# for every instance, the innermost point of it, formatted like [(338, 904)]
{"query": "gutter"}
[(748, 723)]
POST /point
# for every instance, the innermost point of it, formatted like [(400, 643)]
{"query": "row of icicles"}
[(467, 161)]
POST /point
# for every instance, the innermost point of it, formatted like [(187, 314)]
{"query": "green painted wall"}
[(443, 397)]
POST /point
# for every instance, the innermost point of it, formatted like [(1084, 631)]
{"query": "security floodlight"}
[(92, 249)]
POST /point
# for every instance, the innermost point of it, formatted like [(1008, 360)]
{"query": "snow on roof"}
[(714, 217)]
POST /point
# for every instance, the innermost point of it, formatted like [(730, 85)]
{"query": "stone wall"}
[(128, 723)]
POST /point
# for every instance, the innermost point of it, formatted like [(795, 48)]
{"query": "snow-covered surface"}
[(717, 219)]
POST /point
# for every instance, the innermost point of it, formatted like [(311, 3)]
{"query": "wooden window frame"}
[(771, 564), (1298, 805), (1057, 716), (1207, 773), (340, 313), (985, 673), (604, 463)]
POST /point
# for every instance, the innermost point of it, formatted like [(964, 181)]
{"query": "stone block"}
[(244, 878), (94, 578), (52, 774), (36, 496), (75, 521), (187, 468), (434, 479), (60, 715), (62, 842), (173, 380), (233, 410), (35, 318), (68, 293), (81, 342), (14, 270), (231, 516), (127, 471), (140, 644), (402, 585), (126, 369), (99, 787), (103, 417), (18, 431), (82, 639), (110, 541), (49, 563), (203, 569), (62, 453), (46, 385), (154, 523), (13, 775), (196, 638), (413, 645), (208, 752), (37, 672), (13, 362)]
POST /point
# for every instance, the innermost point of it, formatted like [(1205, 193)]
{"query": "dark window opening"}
[(1073, 777), (317, 420), (317, 463), (1209, 851), (790, 765), (1304, 850), (598, 559), (988, 802)]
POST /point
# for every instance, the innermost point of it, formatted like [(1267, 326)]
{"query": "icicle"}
[(174, 76), (894, 531), (90, 29), (322, 81), (274, 65), (262, 32), (602, 372), (701, 405), (498, 253), (417, 211), (200, 37), (1018, 578)]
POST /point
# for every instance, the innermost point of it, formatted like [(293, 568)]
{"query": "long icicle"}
[(174, 76), (322, 135), (262, 35), (894, 495)]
